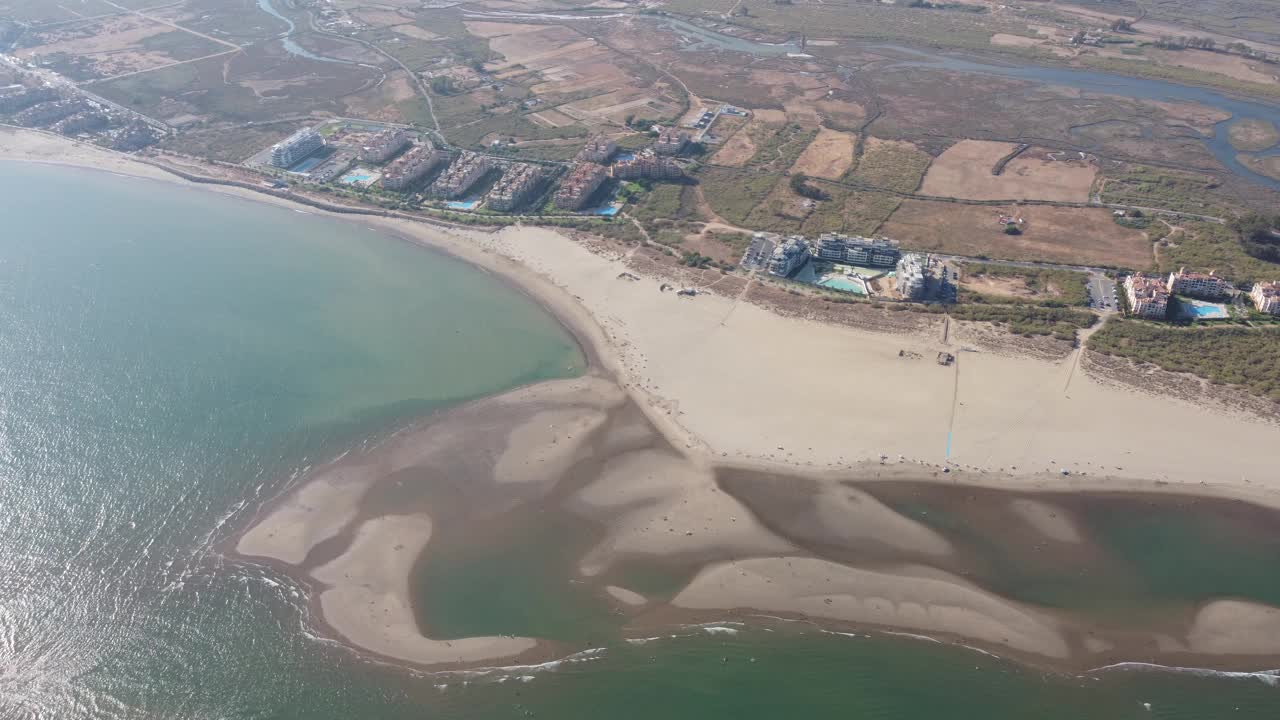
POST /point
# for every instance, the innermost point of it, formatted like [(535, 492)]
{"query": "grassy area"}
[(1210, 246), (229, 144), (850, 211), (663, 202), (180, 45), (1245, 357), (509, 125), (943, 28), (40, 11), (892, 165), (733, 194), (1046, 287), (1168, 189), (1061, 323)]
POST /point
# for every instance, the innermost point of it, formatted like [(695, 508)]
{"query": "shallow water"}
[(170, 357)]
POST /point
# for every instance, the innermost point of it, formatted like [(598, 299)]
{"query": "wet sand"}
[(684, 394)]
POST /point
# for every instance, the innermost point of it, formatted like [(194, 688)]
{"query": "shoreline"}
[(576, 286)]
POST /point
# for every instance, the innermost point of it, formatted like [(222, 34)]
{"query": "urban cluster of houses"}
[(43, 107), (1149, 296), (408, 159)]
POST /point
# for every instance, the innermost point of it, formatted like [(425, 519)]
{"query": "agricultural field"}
[(43, 11), (114, 46), (1088, 236), (965, 171), (891, 164), (261, 83), (828, 156)]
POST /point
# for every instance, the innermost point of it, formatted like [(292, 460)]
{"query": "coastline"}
[(662, 350)]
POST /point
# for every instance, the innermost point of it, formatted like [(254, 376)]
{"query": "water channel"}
[(1086, 80), (290, 45)]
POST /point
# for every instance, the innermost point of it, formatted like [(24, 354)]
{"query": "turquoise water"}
[(841, 283), (462, 204), (362, 177), (170, 357)]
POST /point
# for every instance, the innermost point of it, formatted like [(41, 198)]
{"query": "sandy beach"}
[(682, 390)]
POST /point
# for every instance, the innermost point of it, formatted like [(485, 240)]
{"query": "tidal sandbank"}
[(680, 389)]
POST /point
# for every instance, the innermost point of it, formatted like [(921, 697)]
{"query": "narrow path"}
[(95, 81), (175, 26)]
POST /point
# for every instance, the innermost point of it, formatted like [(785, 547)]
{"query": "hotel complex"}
[(288, 152), (598, 150), (1266, 296), (647, 165), (383, 146), (1197, 284), (579, 185), (412, 166), (514, 187), (1148, 297), (855, 250), (461, 175)]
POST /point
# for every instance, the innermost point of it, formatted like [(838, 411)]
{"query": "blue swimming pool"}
[(841, 283), (607, 211), (463, 204)]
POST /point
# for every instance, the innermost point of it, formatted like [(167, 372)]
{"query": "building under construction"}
[(514, 187), (579, 185)]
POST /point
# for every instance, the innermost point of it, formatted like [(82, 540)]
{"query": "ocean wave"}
[(719, 630), (506, 671), (913, 636), (643, 641), (1268, 677)]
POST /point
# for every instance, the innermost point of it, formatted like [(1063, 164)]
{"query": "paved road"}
[(1102, 291)]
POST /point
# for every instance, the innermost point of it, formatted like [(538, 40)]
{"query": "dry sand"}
[(659, 503), (929, 602), (366, 598), (964, 171), (1234, 627)]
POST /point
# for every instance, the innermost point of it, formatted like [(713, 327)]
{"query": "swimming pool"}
[(1196, 310), (463, 204), (842, 283), (607, 211), (359, 177), (308, 164)]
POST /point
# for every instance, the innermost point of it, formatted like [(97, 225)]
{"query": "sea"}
[(171, 358)]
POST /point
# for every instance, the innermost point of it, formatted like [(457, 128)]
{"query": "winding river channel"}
[(1085, 80)]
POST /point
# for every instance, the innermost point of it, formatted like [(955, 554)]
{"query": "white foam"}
[(642, 641), (719, 630), (1268, 677), (913, 636)]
